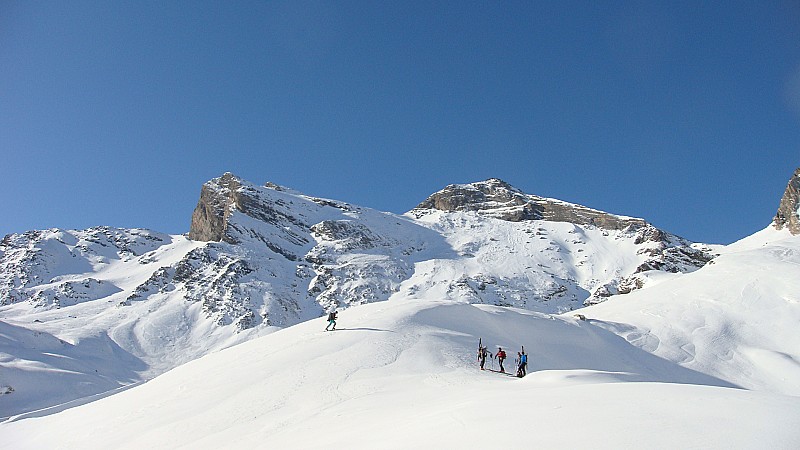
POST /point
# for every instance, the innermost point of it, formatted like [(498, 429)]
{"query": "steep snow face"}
[(542, 265), (735, 319), (402, 374), (554, 249)]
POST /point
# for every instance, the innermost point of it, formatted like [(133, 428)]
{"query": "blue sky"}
[(115, 113)]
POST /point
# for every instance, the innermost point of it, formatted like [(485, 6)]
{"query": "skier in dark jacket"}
[(331, 320), (482, 353), (501, 356)]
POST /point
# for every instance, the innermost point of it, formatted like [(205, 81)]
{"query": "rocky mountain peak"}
[(492, 194), (235, 211), (498, 199), (210, 216), (494, 185), (789, 209)]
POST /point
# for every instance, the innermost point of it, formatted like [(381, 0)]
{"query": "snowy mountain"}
[(547, 255), (401, 374), (89, 311)]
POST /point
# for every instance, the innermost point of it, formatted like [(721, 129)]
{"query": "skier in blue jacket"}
[(523, 364)]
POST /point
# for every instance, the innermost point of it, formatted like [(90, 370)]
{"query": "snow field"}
[(735, 319), (402, 374)]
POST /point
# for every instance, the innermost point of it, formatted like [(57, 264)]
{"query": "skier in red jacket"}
[(501, 356)]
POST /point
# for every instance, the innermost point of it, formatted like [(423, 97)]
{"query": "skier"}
[(482, 353), (501, 356), (332, 320), (523, 364)]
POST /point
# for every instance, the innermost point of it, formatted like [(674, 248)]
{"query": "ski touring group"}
[(521, 361)]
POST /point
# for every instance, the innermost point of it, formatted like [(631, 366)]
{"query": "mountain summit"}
[(218, 198), (498, 199)]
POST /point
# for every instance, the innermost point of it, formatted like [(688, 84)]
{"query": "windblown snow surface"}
[(709, 359)]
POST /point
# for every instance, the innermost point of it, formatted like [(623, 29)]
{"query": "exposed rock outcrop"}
[(277, 255), (498, 199), (236, 212), (210, 216), (788, 215)]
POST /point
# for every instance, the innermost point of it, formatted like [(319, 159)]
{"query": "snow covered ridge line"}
[(290, 224), (53, 267), (338, 253)]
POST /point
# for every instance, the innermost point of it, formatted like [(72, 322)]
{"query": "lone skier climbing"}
[(331, 320), (501, 356)]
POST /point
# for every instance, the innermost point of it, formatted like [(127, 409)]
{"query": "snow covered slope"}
[(736, 319), (545, 266), (57, 268), (79, 333), (401, 374)]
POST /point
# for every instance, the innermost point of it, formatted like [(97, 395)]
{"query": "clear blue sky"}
[(115, 112)]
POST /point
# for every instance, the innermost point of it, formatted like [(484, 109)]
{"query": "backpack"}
[(331, 316), (501, 354)]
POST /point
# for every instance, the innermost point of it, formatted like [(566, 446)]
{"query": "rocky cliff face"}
[(210, 216), (788, 215), (277, 257)]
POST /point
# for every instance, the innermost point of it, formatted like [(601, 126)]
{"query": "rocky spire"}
[(789, 210), (210, 216)]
